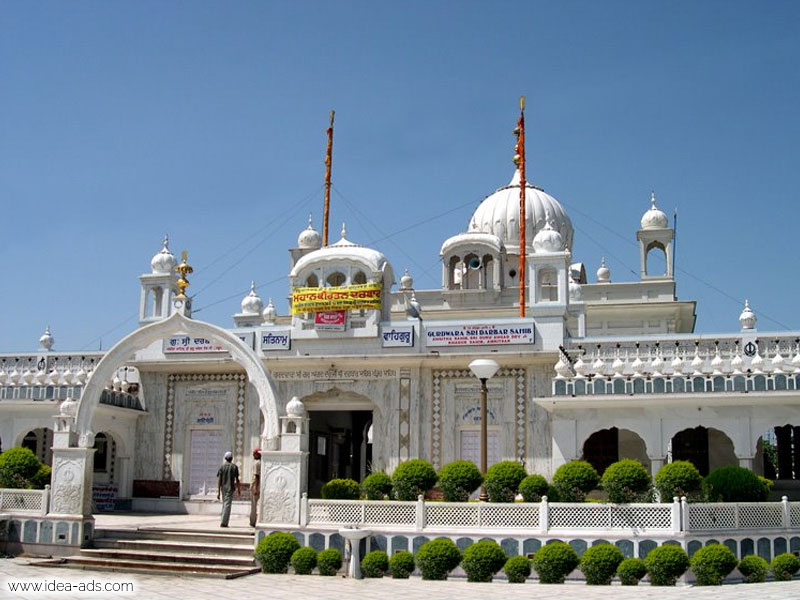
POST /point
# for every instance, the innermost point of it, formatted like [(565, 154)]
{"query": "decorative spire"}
[(46, 341), (344, 230), (652, 198), (183, 270), (519, 161)]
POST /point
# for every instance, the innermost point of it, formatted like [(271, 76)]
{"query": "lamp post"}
[(484, 369)]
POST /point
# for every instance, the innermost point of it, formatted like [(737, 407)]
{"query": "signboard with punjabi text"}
[(365, 296), (479, 335)]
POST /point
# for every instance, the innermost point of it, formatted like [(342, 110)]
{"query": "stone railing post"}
[(304, 509), (420, 515), (544, 515), (684, 514), (787, 512), (675, 509), (45, 499)]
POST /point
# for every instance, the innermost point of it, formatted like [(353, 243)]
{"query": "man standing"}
[(255, 487), (227, 482)]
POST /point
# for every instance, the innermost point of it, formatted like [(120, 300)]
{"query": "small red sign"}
[(331, 320)]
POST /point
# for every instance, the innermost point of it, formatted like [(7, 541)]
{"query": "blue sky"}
[(122, 121)]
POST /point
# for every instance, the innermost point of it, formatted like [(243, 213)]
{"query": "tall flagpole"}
[(519, 160), (328, 162)]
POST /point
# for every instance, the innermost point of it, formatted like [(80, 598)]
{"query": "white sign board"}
[(279, 339), (397, 337), (189, 344), (246, 336), (479, 335)]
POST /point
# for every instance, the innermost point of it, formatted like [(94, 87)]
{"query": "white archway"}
[(177, 323)]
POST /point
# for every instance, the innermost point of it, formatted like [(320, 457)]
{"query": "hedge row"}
[(553, 562)]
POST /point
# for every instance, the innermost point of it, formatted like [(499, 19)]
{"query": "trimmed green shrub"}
[(458, 480), (304, 560), (712, 564), (517, 569), (735, 484), (482, 560), (626, 481), (631, 571), (533, 487), (401, 564), (17, 467), (42, 477), (554, 561), (753, 568), (599, 564), (275, 550), (412, 478), (329, 562), (784, 566), (503, 479), (437, 558), (679, 478), (341, 489), (375, 564), (665, 564), (574, 480), (376, 486)]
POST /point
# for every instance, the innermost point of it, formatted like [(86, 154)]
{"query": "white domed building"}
[(363, 372)]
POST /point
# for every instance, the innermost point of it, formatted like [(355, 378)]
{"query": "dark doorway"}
[(692, 445), (338, 447), (602, 449)]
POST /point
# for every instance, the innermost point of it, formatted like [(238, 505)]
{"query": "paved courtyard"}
[(18, 570)]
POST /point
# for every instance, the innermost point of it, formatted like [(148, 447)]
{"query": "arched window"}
[(655, 260), (359, 278), (312, 280), (548, 285), (100, 453), (335, 279)]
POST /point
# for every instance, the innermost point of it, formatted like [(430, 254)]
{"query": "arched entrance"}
[(608, 446), (706, 448), (40, 442), (339, 422)]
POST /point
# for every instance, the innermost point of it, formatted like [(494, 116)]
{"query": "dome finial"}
[(603, 273), (344, 230), (654, 218), (652, 198), (47, 340), (164, 261), (748, 318), (310, 221), (309, 238), (252, 304)]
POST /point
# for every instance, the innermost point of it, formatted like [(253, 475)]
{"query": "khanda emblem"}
[(750, 349)]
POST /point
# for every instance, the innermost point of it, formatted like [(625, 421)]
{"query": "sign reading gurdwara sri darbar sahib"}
[(347, 297), (474, 335), (190, 344)]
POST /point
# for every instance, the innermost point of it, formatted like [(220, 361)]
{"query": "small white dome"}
[(406, 281), (163, 262), (252, 304), (295, 407), (748, 317), (603, 273), (47, 340), (654, 218), (269, 313), (548, 240), (309, 238)]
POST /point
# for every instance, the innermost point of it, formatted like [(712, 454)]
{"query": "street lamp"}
[(484, 369)]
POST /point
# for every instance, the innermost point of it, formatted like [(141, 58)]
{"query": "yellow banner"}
[(346, 297)]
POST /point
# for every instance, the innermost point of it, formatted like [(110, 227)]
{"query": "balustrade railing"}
[(545, 517), (25, 501)]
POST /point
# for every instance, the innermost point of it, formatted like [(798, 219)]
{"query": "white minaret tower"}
[(655, 234), (158, 287)]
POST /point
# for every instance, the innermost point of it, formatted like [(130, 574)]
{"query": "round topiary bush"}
[(437, 558), (599, 564), (753, 568), (275, 550), (554, 561), (503, 479), (627, 481), (631, 571), (533, 487), (677, 479), (412, 478), (42, 477), (574, 480), (341, 489), (375, 564), (304, 560), (329, 562), (458, 480), (784, 566), (665, 564), (517, 569), (376, 486), (735, 484), (17, 467), (401, 565), (482, 560), (712, 564)]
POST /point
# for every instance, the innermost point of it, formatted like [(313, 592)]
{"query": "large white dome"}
[(498, 214)]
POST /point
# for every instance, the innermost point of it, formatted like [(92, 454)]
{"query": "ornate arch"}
[(177, 323)]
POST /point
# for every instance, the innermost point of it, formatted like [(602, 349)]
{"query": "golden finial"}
[(522, 102), (183, 269)]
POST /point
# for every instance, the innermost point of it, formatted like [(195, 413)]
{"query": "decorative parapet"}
[(679, 364), (14, 501)]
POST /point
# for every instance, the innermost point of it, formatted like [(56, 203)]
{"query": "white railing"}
[(24, 501), (545, 517)]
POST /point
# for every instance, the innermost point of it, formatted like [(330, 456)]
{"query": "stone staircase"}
[(190, 552)]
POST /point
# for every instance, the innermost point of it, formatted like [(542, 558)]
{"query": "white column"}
[(71, 488)]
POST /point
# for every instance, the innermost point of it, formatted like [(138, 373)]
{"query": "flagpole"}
[(519, 160), (328, 163)]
